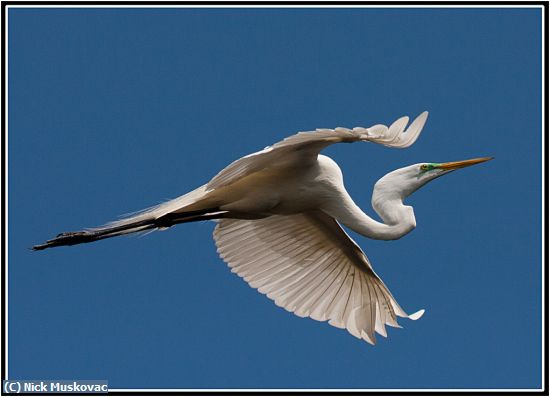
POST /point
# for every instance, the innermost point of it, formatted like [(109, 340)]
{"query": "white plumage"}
[(308, 265), (279, 212)]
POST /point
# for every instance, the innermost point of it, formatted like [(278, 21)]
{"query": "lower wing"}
[(308, 265)]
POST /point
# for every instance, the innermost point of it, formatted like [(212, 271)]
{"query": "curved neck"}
[(398, 218)]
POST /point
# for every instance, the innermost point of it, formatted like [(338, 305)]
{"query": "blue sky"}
[(111, 111)]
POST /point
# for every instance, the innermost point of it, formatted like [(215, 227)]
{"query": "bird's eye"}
[(424, 167)]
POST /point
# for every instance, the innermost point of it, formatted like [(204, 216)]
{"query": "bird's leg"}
[(71, 238), (177, 218), (165, 221)]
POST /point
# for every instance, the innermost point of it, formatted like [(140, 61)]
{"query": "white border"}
[(306, 6), (5, 228), (544, 128), (273, 6)]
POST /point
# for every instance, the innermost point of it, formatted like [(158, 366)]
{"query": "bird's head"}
[(405, 181)]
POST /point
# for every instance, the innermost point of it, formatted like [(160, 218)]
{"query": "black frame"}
[(305, 392)]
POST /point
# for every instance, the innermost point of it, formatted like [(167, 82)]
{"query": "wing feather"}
[(308, 265), (298, 149), (305, 146)]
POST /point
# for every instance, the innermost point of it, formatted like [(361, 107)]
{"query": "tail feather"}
[(158, 210)]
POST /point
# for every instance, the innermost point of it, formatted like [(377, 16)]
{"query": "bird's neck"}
[(398, 219)]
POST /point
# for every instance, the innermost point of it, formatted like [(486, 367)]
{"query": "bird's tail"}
[(158, 217)]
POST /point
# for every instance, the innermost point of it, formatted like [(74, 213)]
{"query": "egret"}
[(278, 214)]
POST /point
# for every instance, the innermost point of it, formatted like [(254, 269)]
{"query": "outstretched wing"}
[(308, 264), (305, 146)]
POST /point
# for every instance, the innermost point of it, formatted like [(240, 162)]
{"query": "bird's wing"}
[(308, 264), (306, 145)]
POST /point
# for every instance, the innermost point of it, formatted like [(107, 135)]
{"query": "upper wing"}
[(304, 145), (308, 264)]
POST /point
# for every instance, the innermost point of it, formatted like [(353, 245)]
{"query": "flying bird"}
[(279, 213)]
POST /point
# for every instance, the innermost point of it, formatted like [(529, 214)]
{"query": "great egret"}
[(279, 212)]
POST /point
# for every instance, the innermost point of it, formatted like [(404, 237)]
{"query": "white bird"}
[(278, 215)]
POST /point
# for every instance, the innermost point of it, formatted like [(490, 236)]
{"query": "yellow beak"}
[(454, 165)]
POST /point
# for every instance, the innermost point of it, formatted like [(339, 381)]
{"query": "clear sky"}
[(111, 111)]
